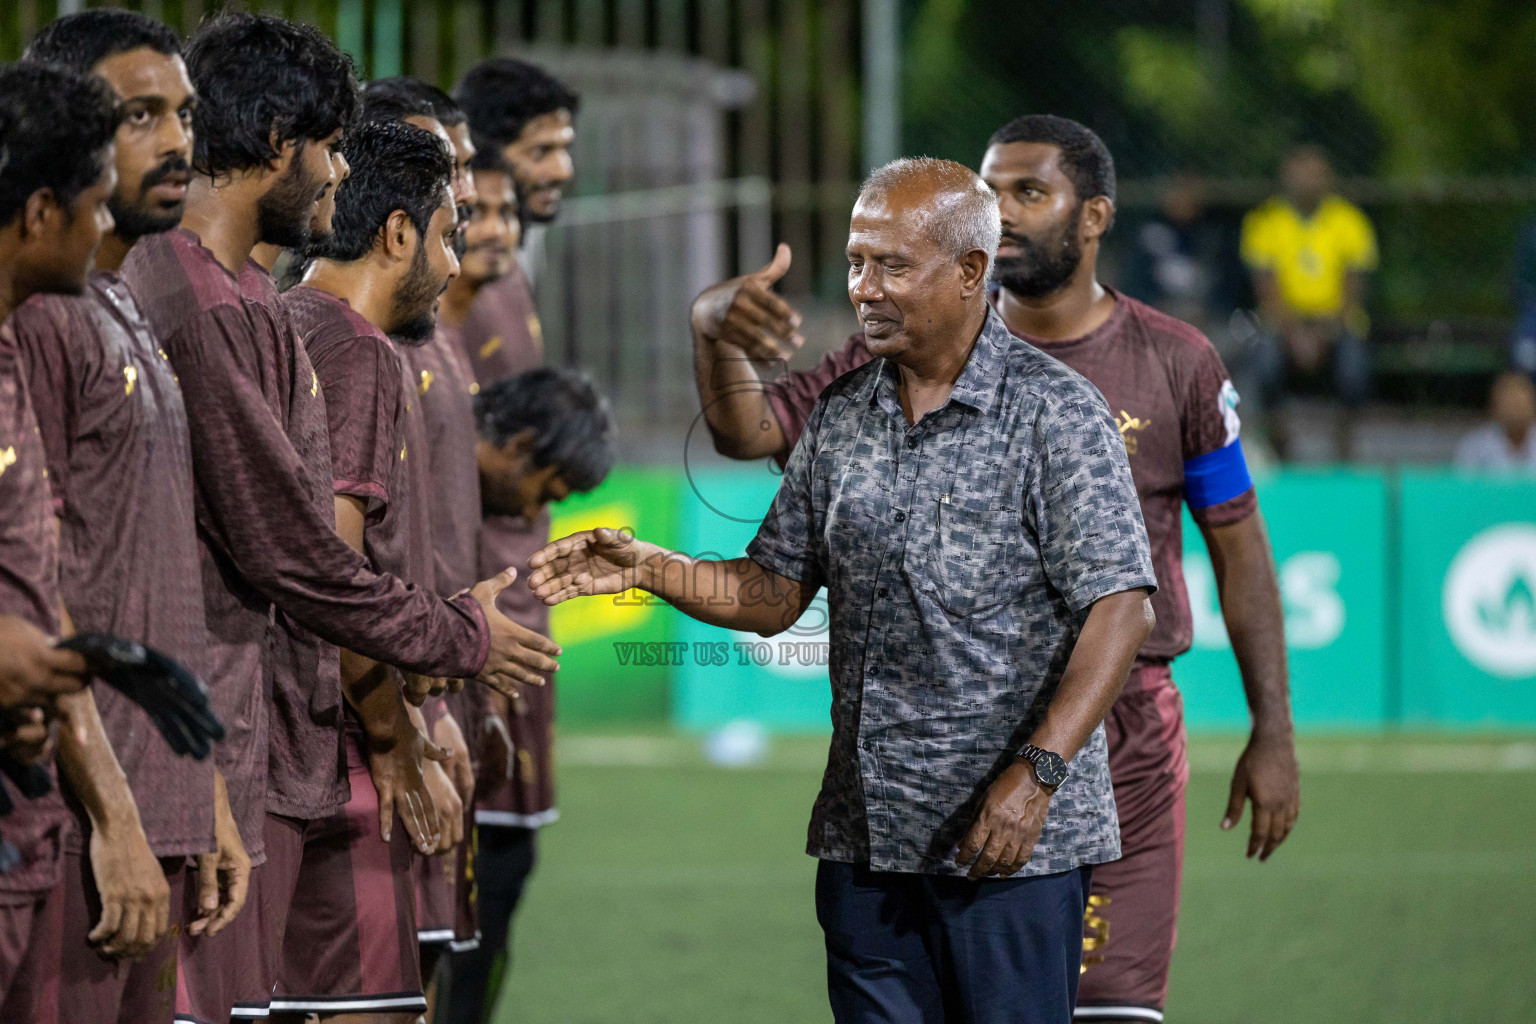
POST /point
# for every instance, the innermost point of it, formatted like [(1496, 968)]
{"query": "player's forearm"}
[(374, 693), (91, 768), (734, 398), (1249, 591), (244, 462), (735, 594), (1101, 659)]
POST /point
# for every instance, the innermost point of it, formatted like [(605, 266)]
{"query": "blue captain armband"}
[(1217, 476)]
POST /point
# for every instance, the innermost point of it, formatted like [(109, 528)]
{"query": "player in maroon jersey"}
[(351, 949), (1177, 414), (520, 118), (56, 177), (446, 915), (131, 560)]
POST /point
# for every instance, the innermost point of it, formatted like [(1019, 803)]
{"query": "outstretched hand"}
[(600, 561), (745, 312), (518, 655)]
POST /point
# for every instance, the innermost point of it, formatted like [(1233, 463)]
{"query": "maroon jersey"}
[(445, 388), (501, 337), (28, 590), (120, 465), (266, 524), (794, 394), (1176, 409)]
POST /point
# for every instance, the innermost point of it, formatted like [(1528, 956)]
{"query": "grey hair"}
[(963, 215)]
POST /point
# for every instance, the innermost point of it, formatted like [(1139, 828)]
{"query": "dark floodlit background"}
[(673, 888)]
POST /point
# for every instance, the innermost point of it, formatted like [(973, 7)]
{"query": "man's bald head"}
[(920, 248), (946, 201)]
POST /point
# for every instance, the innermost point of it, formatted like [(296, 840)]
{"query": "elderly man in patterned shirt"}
[(966, 501)]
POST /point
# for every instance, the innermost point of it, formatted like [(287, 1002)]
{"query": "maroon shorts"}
[(104, 989), (1130, 924), (445, 895), (31, 944), (224, 977), (349, 944)]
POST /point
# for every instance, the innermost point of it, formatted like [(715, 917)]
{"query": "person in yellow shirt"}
[(1310, 252)]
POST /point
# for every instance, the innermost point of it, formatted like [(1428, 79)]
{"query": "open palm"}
[(600, 561)]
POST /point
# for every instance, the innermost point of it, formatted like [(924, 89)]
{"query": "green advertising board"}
[(1328, 529), (600, 679), (1330, 548), (1468, 600), (724, 675)]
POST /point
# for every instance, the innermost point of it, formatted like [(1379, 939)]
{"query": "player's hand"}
[(1266, 774), (600, 561), (1008, 825), (223, 876), (518, 655), (32, 670), (745, 312), (396, 765), (29, 735), (447, 734), (446, 804), (417, 689), (135, 897), (496, 751)]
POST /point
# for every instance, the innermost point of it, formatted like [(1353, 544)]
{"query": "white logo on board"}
[(1309, 589), (1489, 600)]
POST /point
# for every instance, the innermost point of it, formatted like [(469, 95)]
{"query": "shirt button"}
[(901, 517), (911, 442), (885, 592)]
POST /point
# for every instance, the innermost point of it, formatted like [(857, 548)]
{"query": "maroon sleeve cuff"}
[(483, 629)]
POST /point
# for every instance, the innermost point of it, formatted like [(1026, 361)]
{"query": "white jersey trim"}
[(1118, 1013)]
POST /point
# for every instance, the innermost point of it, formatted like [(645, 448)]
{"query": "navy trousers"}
[(927, 949)]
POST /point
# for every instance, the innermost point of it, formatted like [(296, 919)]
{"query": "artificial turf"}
[(675, 891)]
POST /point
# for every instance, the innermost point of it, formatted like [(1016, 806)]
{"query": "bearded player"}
[(352, 949), (1177, 414)]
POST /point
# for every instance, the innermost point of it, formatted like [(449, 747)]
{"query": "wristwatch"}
[(1050, 769)]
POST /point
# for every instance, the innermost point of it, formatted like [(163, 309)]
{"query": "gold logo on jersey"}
[(402, 453), (314, 384), (489, 348), (131, 376), (7, 459), (536, 331), (1128, 423), (1095, 931), (426, 382), (474, 387)]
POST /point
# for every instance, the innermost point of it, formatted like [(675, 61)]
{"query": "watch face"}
[(1050, 769)]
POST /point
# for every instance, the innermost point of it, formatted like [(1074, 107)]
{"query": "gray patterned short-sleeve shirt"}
[(960, 555)]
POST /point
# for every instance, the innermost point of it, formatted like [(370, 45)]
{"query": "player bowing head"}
[(56, 178), (274, 100), (544, 435), (394, 225), (524, 115), (141, 60)]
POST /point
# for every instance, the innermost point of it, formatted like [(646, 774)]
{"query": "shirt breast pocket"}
[(973, 561)]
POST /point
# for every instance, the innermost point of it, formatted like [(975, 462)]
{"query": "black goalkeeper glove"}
[(175, 699)]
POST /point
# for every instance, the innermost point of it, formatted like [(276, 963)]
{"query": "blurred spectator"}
[(1522, 348), (1309, 251), (1180, 259), (1508, 444)]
